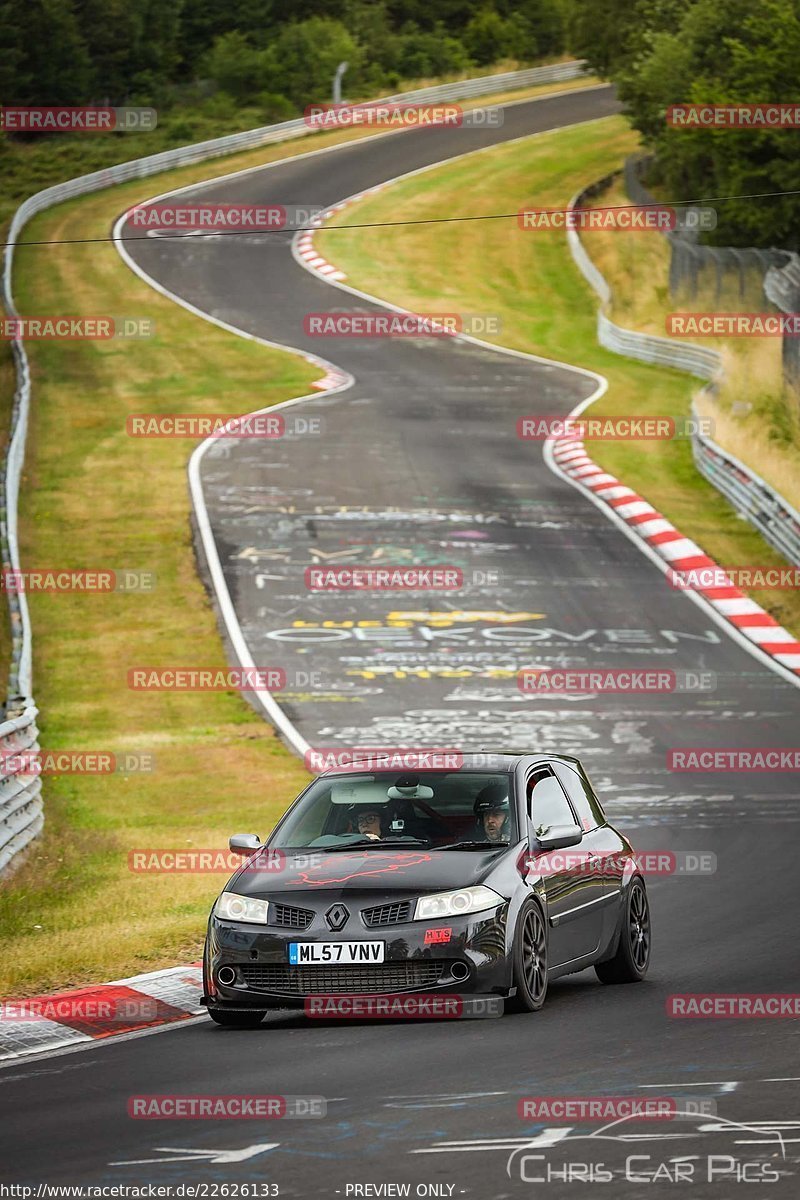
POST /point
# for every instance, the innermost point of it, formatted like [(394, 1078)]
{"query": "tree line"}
[(666, 52), (273, 57), (275, 53)]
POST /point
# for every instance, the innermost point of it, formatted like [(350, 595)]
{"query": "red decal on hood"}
[(317, 876)]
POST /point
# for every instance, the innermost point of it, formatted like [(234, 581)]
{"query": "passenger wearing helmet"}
[(492, 810), (366, 820)]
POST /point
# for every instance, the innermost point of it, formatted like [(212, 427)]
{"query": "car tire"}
[(529, 959), (632, 956), (236, 1020)]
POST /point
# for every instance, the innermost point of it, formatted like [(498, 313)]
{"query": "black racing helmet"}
[(492, 797)]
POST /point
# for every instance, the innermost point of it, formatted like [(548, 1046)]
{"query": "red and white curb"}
[(305, 250), (678, 552), (333, 378), (304, 245), (42, 1023), (746, 620), (304, 242)]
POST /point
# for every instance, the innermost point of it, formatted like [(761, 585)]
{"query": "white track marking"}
[(99, 1043), (445, 1096), (727, 1085), (737, 635), (273, 710), (548, 1137), (207, 1156)]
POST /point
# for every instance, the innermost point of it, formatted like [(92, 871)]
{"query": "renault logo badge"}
[(337, 916)]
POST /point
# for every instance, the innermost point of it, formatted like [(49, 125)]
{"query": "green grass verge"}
[(92, 496), (28, 165), (528, 279), (72, 913), (755, 413)]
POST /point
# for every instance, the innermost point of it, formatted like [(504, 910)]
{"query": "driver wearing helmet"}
[(492, 810)]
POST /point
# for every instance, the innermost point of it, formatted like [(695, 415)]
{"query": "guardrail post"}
[(779, 522), (21, 813)]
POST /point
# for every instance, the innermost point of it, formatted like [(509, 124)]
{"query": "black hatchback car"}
[(489, 879)]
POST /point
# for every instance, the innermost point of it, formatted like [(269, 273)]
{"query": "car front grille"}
[(387, 914), (290, 918), (318, 980)]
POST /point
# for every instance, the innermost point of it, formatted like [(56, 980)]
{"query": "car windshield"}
[(437, 809)]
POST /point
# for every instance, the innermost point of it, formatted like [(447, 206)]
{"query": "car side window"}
[(547, 804), (584, 801)]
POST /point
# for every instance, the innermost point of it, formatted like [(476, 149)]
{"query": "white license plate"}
[(336, 952)]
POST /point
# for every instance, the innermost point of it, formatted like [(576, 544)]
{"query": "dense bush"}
[(118, 51), (664, 52)]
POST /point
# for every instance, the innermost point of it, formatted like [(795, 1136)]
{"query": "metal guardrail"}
[(734, 273), (782, 283), (782, 288), (750, 495), (738, 275), (649, 348), (646, 347), (21, 811)]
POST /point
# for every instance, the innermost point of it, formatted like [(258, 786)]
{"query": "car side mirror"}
[(559, 836), (244, 843)]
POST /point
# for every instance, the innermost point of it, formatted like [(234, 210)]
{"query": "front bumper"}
[(475, 960)]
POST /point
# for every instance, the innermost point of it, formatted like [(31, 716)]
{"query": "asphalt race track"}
[(418, 461)]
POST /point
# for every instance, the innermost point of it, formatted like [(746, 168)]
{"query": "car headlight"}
[(453, 904), (231, 907)]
